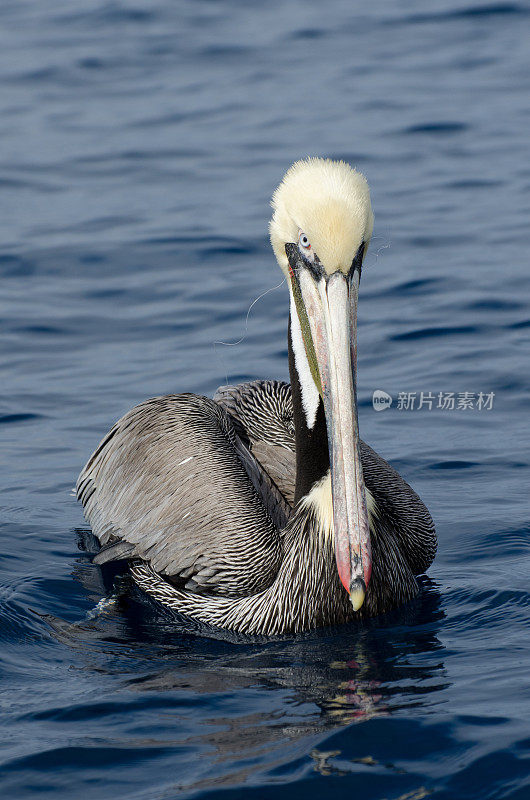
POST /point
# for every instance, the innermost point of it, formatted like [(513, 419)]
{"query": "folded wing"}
[(173, 484)]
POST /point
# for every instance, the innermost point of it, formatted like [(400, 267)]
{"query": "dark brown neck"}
[(312, 454)]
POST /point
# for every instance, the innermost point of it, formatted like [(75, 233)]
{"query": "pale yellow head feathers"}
[(330, 202)]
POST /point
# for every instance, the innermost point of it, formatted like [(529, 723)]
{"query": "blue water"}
[(140, 144)]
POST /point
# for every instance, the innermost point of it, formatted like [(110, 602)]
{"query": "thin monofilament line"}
[(242, 339), (380, 248), (267, 291)]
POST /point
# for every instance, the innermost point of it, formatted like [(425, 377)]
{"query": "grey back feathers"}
[(168, 481), (262, 414), (197, 494)]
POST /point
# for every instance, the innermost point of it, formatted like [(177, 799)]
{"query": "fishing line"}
[(382, 247), (233, 344)]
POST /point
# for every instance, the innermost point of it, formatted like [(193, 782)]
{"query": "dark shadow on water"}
[(247, 704), (347, 674)]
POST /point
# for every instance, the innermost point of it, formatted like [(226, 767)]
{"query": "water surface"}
[(140, 145)]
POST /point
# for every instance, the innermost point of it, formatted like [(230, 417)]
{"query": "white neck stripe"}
[(310, 395)]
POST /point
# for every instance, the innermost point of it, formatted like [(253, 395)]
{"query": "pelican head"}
[(320, 229)]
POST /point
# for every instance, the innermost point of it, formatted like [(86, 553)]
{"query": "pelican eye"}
[(304, 246), (303, 241)]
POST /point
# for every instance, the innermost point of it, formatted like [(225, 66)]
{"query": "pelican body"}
[(262, 511)]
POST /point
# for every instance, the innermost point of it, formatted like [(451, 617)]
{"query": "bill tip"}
[(357, 595)]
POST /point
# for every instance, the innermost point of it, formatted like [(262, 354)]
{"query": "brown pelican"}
[(262, 511)]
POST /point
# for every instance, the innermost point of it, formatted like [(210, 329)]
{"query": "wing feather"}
[(170, 484), (262, 412)]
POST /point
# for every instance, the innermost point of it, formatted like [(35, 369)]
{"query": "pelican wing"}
[(262, 411), (399, 510), (262, 414), (173, 484)]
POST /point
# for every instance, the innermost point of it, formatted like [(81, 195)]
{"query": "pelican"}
[(262, 511)]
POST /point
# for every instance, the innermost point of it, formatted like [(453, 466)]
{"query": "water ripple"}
[(141, 143)]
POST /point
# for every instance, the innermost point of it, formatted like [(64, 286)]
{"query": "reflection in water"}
[(320, 681)]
